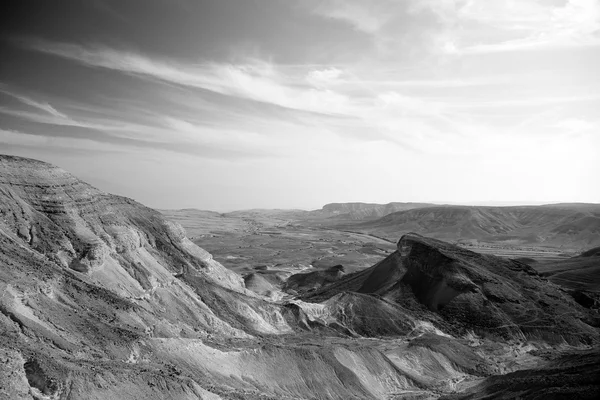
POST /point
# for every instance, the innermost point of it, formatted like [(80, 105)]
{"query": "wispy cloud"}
[(368, 17), (51, 116), (36, 104), (538, 42), (98, 127), (326, 91), (522, 102), (22, 138), (255, 80), (364, 105), (470, 27), (529, 25)]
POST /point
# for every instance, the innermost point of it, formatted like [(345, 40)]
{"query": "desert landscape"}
[(103, 297), (300, 200), (280, 243)]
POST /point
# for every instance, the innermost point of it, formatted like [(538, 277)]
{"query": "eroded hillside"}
[(101, 297)]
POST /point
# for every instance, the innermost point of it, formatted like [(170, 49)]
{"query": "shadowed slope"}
[(470, 291), (595, 252), (579, 275), (305, 281), (568, 377)]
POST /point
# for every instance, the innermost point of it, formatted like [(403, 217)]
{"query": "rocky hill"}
[(467, 291)]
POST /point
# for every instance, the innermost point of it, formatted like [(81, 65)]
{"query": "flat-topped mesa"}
[(435, 278)]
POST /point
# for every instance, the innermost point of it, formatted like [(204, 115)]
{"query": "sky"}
[(226, 105)]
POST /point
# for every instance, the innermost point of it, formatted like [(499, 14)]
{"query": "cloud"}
[(64, 120), (574, 126), (368, 17), (442, 83), (98, 127), (36, 104), (255, 80), (318, 90), (51, 116), (340, 103), (537, 25), (324, 77), (522, 102), (18, 138), (538, 42), (331, 102), (398, 29), (409, 105), (463, 27)]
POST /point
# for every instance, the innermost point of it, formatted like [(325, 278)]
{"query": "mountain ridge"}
[(551, 225)]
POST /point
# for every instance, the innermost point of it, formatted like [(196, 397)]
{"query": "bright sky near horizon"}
[(225, 104)]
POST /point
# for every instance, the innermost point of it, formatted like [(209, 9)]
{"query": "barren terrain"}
[(102, 297)]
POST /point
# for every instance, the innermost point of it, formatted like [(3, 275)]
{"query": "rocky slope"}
[(467, 291), (88, 278), (101, 297), (580, 275)]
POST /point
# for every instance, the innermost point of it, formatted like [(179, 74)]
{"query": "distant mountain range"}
[(358, 211), (574, 226)]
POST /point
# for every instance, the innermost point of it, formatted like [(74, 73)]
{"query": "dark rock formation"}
[(469, 291)]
